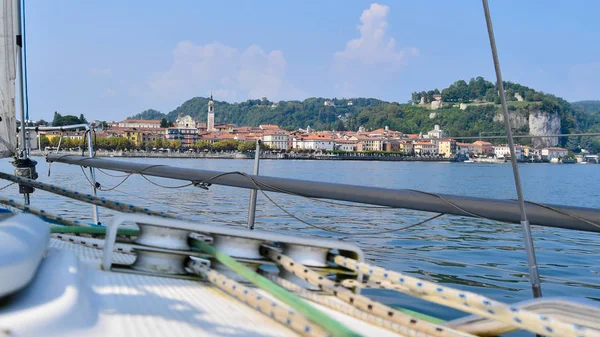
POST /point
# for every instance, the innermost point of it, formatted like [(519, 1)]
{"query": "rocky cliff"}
[(544, 123), (539, 123)]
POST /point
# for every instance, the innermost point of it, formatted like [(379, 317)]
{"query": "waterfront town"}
[(188, 135)]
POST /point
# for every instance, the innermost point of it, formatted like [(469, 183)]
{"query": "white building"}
[(140, 123), (436, 132), (313, 142), (276, 140), (210, 124), (504, 151), (328, 103), (345, 145), (423, 148), (185, 122), (550, 153)]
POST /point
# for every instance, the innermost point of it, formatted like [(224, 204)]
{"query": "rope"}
[(113, 175), (411, 324), (258, 187), (470, 302), (6, 186), (88, 198), (288, 318), (337, 305), (95, 244), (327, 323), (188, 210), (91, 230), (163, 186), (41, 213)]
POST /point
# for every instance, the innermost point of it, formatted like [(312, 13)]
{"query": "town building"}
[(503, 151), (186, 135), (276, 140), (368, 143), (550, 153), (481, 148), (447, 148), (185, 122), (462, 149), (436, 132), (392, 145), (425, 148), (139, 123), (345, 145), (313, 142)]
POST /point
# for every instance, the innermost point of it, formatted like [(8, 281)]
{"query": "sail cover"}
[(8, 54)]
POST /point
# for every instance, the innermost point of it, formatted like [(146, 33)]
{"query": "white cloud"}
[(100, 72), (373, 53), (228, 73)]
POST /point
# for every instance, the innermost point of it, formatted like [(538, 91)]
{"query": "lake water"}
[(436, 250)]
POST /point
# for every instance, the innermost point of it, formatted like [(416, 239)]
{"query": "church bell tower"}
[(210, 124)]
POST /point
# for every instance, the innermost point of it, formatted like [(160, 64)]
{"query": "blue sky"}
[(111, 59)]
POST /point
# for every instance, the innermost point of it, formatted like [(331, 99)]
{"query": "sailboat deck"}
[(123, 304)]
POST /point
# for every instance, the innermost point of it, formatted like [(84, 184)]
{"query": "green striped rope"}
[(91, 230), (329, 324)]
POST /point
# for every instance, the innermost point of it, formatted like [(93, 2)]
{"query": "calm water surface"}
[(436, 250)]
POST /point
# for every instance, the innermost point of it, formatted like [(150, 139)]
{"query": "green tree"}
[(339, 125), (246, 146), (202, 145), (44, 142), (164, 123), (175, 144)]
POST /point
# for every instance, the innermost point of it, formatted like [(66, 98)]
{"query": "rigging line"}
[(112, 175), (163, 186), (448, 202), (534, 277), (6, 186), (258, 183), (431, 259), (100, 188), (180, 208), (563, 212), (281, 190), (332, 230)]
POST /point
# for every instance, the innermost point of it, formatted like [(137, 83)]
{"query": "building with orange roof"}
[(481, 147), (425, 148), (268, 127)]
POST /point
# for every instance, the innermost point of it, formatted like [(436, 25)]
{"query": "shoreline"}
[(280, 156)]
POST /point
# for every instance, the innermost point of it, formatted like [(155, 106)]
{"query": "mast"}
[(24, 167), (22, 145)]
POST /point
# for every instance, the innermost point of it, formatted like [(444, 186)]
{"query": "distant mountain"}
[(149, 114), (543, 113), (588, 107)]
